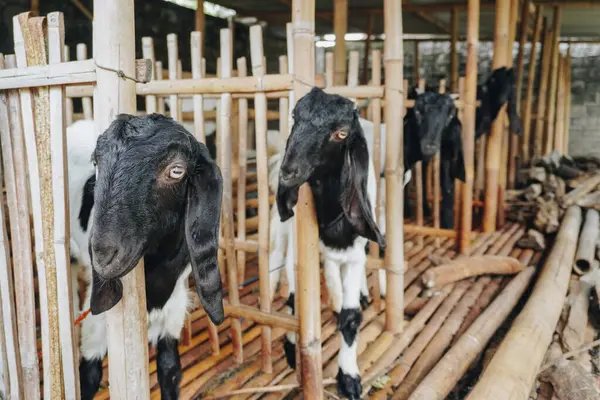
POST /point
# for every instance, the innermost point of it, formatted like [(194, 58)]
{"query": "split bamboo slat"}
[(308, 282), (567, 118), (340, 27), (173, 55), (493, 156), (159, 77), (260, 106), (224, 131), (394, 165), (511, 372), (68, 101), (538, 138), (12, 368), (23, 273), (353, 71), (242, 172), (128, 319), (531, 74), (86, 102), (552, 81), (148, 53), (197, 73), (559, 123), (437, 191)]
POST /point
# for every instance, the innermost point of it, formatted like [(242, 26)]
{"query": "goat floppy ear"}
[(355, 201), (203, 214)]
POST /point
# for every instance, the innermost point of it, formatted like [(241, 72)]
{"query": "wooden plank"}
[(197, 73), (68, 102), (173, 54), (128, 376), (68, 73)]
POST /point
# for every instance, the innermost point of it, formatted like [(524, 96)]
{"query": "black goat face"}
[(433, 113), (498, 87), (155, 182)]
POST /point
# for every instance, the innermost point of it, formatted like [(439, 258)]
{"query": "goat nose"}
[(103, 254), (288, 175)]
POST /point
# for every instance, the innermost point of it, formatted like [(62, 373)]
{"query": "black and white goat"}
[(327, 149), (145, 188)]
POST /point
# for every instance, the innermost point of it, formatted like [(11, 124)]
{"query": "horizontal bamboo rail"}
[(66, 73), (272, 318)]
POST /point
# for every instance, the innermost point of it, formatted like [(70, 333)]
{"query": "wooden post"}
[(68, 101), (114, 46), (329, 70), (340, 27), (567, 102), (307, 234), (173, 55), (394, 165), (260, 109), (197, 73), (200, 22), (242, 144), (435, 169), (468, 133), (454, 66), (365, 78), (514, 152), (559, 127), (377, 154), (227, 208), (494, 142), (418, 178), (508, 163), (553, 82), (538, 139), (85, 101), (528, 105), (148, 53), (26, 335)]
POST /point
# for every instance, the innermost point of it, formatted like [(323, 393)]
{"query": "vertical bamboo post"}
[(538, 139), (553, 81), (224, 131), (128, 333), (200, 21), (12, 368), (353, 70), (60, 204), (376, 115), (453, 50), (86, 102), (435, 168), (458, 184), (508, 162), (559, 129), (494, 141), (284, 104), (31, 50), (365, 78), (418, 177), (69, 100), (197, 73), (260, 115), (531, 73), (468, 132), (514, 152), (394, 164), (159, 77), (340, 27), (173, 54), (148, 53), (329, 71), (179, 99), (307, 235), (567, 101), (23, 273), (242, 144), (481, 146)]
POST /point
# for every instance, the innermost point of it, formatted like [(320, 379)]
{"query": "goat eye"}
[(339, 135), (176, 172)]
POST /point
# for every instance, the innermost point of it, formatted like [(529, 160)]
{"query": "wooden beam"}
[(340, 27)]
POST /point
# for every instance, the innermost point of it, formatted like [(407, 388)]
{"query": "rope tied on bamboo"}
[(119, 73)]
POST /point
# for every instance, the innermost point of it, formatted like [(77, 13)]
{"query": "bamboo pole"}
[(444, 376), (197, 73), (531, 73), (115, 46), (227, 217), (468, 133), (68, 102), (559, 123), (340, 27), (260, 106), (454, 66), (12, 369), (567, 102), (394, 164), (365, 78), (148, 53), (494, 141), (586, 246), (200, 21), (158, 77), (508, 161), (173, 55), (85, 101), (243, 171), (435, 168), (512, 370), (458, 184), (23, 274), (308, 310), (553, 81), (418, 179), (329, 72), (538, 139), (377, 154)]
